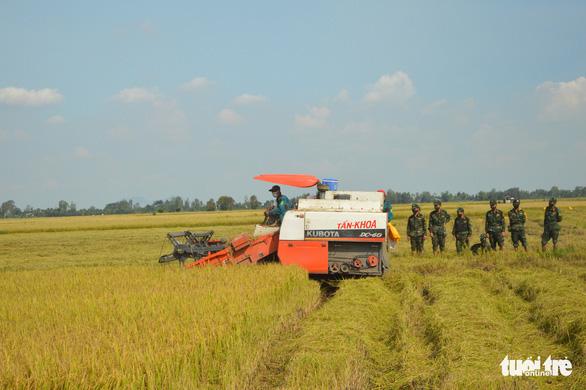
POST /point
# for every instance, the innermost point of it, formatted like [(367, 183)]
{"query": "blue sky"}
[(102, 101)]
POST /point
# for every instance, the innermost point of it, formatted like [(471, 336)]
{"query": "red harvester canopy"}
[(302, 181)]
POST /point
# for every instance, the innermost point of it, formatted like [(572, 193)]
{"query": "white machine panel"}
[(293, 225), (367, 206), (355, 195), (344, 225)]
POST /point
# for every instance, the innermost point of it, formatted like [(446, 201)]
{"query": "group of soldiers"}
[(494, 227)]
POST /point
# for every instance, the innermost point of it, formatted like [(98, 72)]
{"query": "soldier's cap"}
[(414, 206), (516, 201), (275, 188), (437, 201), (492, 202), (460, 209), (553, 200)]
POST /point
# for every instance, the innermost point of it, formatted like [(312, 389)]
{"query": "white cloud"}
[(29, 97), (246, 99), (81, 152), (230, 117), (196, 83), (55, 120), (396, 87), (317, 118), (342, 96), (563, 99), (435, 106), (135, 95)]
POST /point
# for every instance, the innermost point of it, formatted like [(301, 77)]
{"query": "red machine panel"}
[(242, 250), (310, 255)]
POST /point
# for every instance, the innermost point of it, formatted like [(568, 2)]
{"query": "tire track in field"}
[(460, 326), (272, 368), (555, 305), (418, 339), (562, 328), (521, 336), (572, 266)]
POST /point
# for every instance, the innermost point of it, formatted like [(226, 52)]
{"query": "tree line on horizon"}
[(9, 209)]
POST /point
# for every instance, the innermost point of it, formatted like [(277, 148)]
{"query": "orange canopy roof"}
[(302, 181)]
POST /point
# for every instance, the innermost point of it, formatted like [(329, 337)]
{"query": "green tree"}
[(225, 203), (63, 206), (197, 204), (121, 207), (211, 205), (254, 203), (8, 209)]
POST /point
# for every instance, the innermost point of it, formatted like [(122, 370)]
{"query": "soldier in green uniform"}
[(437, 230), (462, 230), (416, 229), (494, 226), (551, 224), (517, 220)]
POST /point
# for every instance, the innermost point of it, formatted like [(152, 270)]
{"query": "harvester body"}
[(344, 233), (338, 233)]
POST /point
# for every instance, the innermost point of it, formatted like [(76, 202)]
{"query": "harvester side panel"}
[(310, 255), (242, 250)]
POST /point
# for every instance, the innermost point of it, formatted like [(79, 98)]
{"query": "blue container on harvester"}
[(331, 183)]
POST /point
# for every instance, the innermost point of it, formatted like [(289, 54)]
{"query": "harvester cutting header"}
[(333, 233)]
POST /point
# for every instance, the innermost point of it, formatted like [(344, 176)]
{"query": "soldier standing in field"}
[(517, 220), (494, 226), (551, 224), (437, 229), (462, 230), (416, 229)]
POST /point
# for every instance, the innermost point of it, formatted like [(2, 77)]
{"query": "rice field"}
[(84, 304)]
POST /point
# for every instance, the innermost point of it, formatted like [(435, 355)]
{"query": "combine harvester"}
[(338, 233)]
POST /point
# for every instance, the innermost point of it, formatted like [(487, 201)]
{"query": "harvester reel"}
[(194, 245)]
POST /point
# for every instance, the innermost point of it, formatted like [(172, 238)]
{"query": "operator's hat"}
[(275, 188)]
